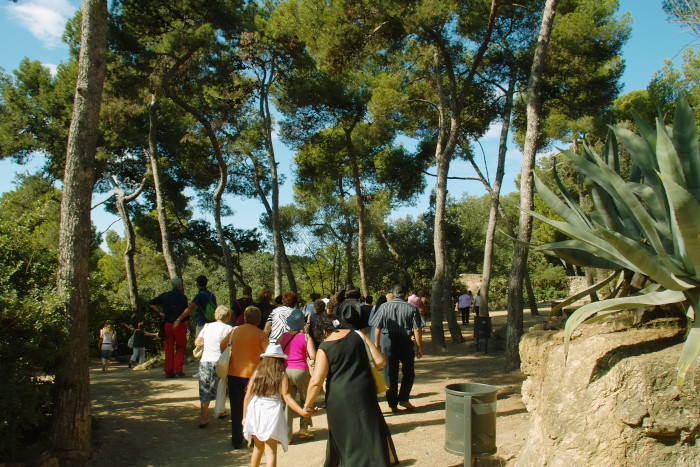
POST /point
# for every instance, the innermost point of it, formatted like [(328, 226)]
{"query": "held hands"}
[(309, 411)]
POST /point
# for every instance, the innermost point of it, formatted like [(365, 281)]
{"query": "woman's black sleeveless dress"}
[(357, 433)]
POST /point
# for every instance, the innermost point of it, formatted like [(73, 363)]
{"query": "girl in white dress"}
[(263, 407)]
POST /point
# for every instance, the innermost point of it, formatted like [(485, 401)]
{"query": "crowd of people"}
[(291, 359)]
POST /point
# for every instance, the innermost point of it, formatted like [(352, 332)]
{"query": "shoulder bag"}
[(222, 363), (198, 351), (379, 384)]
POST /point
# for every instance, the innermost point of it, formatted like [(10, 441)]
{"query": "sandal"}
[(223, 415), (305, 435)]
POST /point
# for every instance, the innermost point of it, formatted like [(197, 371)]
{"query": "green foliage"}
[(549, 282), (465, 228), (498, 293), (35, 110), (584, 65), (647, 224), (31, 329), (670, 83)]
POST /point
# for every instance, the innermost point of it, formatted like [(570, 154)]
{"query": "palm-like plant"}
[(648, 224)]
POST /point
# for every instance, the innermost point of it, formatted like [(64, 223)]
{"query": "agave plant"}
[(649, 224)]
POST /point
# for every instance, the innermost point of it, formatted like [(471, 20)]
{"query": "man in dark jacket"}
[(172, 307)]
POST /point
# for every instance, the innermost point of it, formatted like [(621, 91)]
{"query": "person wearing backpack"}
[(205, 304)]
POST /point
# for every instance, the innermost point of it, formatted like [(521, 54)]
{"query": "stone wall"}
[(473, 283), (612, 402)]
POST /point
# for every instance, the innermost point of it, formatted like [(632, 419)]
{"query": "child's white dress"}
[(265, 420)]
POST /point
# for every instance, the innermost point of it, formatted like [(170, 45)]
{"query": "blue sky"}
[(33, 28)]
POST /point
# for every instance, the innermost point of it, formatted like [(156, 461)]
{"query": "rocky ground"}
[(143, 419)]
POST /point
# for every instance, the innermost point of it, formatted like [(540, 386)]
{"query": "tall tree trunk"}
[(122, 200), (166, 244), (449, 109), (218, 191), (530, 294), (361, 228), (281, 260), (449, 307), (514, 328), (71, 427), (448, 125), (348, 256), (261, 194), (495, 200)]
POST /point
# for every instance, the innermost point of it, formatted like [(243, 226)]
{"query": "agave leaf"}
[(686, 228), (568, 199), (640, 151), (689, 352), (685, 140), (555, 204), (586, 235), (691, 347), (607, 208), (613, 305), (645, 130), (579, 253), (669, 163), (615, 184), (556, 309), (611, 151), (643, 261), (657, 205)]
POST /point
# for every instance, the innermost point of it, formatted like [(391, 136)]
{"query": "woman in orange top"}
[(247, 344)]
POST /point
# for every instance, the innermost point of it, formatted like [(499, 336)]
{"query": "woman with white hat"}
[(298, 345), (263, 407)]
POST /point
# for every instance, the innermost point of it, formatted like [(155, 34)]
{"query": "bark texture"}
[(168, 256), (495, 200), (122, 201), (71, 427), (519, 265)]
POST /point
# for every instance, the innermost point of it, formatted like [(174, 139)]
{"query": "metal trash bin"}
[(470, 420), (482, 330)]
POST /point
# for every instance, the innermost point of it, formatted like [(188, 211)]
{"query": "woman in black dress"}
[(357, 433)]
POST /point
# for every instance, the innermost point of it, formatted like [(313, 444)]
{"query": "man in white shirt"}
[(464, 303)]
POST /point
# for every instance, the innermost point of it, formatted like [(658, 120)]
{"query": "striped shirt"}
[(278, 319), (397, 317)]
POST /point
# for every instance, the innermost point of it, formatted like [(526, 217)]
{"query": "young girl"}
[(263, 407), (108, 342)]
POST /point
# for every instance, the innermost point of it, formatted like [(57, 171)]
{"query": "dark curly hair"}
[(324, 326)]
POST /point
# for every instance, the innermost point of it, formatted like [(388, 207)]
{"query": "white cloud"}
[(52, 68), (44, 19), (514, 155), (493, 133)]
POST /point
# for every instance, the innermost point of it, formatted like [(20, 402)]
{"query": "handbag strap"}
[(369, 354), (289, 342), (230, 337)]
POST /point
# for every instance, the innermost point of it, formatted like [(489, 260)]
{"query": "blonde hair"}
[(108, 326), (268, 377), (221, 312)]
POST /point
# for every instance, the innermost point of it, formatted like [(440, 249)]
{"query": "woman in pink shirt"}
[(298, 346)]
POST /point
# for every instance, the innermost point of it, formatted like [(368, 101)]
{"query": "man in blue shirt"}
[(199, 302), (172, 307), (395, 322)]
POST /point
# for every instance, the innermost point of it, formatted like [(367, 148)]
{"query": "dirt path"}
[(146, 420)]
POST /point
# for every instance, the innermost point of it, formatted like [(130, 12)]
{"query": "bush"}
[(549, 282)]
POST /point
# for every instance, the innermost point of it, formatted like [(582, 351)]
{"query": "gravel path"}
[(143, 419)]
